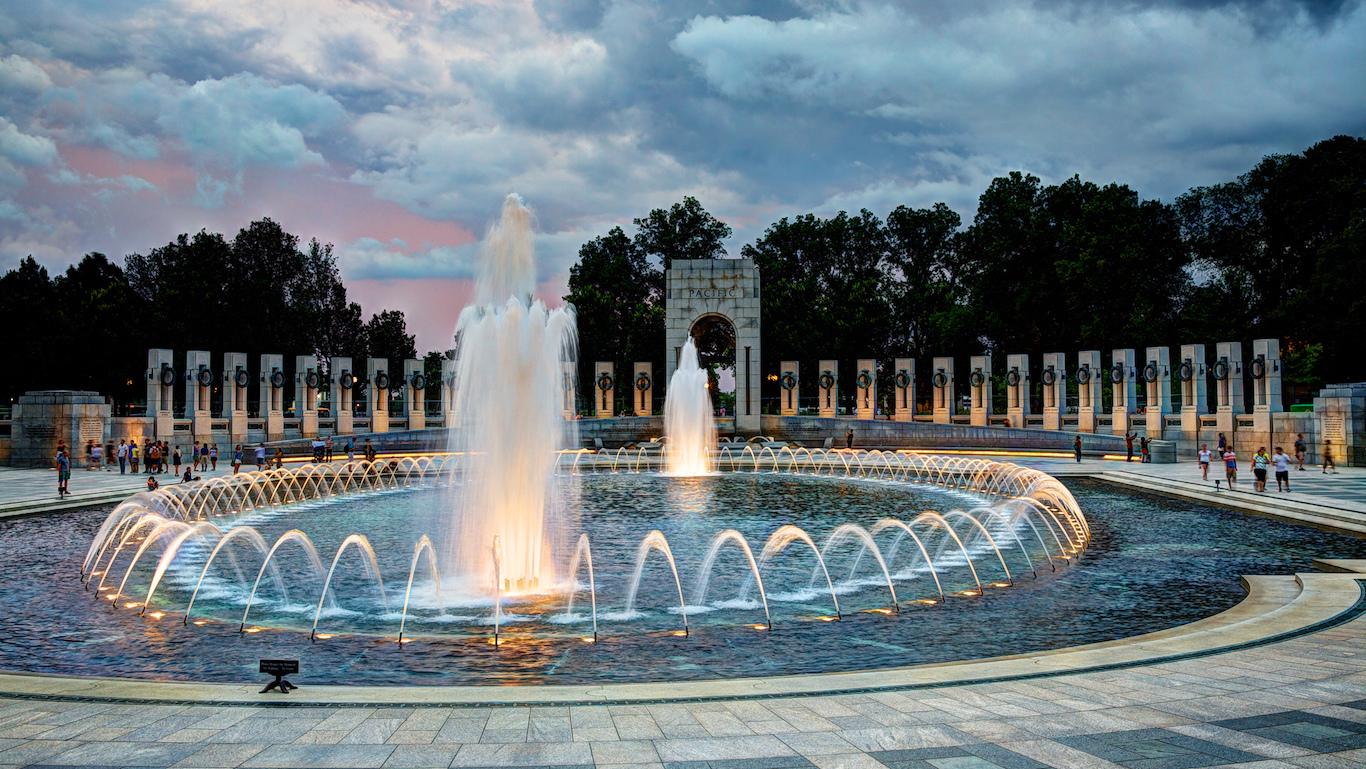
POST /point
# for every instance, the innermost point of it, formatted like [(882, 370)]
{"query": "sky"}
[(394, 128)]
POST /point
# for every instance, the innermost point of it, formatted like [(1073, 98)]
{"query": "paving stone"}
[(331, 756), (421, 756), (222, 754)]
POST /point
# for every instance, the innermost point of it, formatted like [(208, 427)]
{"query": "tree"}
[(618, 299), (685, 231), (27, 303), (923, 282), (386, 336)]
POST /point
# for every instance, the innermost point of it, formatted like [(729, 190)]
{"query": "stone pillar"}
[(865, 389), (342, 376), (44, 417), (904, 382), (944, 400), (979, 389), (1340, 410), (377, 387), (789, 388), (308, 379), (236, 381), (1017, 390), (604, 389), (1265, 370), (1090, 377), (1054, 390), (273, 395), (643, 385), (1157, 390), (199, 381), (1193, 375), (828, 389), (449, 392), (161, 378), (568, 388), (415, 394), (1123, 390), (1227, 371)]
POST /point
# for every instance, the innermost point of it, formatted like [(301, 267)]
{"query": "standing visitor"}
[(88, 453), (109, 456), (96, 457), (1281, 461), (1301, 448), (123, 457), (369, 451), (1143, 448), (327, 448), (1204, 456), (261, 457), (175, 458), (1328, 457), (1076, 448), (63, 472), (1259, 462), (153, 452), (237, 459), (133, 456), (213, 456), (351, 450), (849, 439), (279, 458), (1230, 466), (194, 458), (1129, 446), (1223, 443)]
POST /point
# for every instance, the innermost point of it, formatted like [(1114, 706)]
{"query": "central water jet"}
[(688, 420)]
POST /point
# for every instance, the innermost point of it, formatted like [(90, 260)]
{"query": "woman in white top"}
[(1205, 457)]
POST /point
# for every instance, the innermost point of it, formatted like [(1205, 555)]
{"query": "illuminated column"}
[(865, 384), (1017, 389), (308, 379), (1193, 375), (199, 381), (1157, 390), (904, 381), (342, 379), (161, 392), (415, 394), (1227, 371), (1089, 378), (944, 402), (828, 391), (643, 385), (568, 388), (377, 386), (1123, 390), (789, 392), (979, 388), (605, 389), (1054, 390), (1265, 370), (236, 380), (273, 395)]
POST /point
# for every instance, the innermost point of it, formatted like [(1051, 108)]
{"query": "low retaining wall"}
[(883, 434)]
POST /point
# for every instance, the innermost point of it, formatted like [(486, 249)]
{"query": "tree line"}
[(261, 291), (1278, 252)]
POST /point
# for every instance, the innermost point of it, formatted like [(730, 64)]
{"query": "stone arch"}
[(696, 289)]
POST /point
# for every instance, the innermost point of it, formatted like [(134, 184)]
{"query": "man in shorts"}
[(1230, 466), (1205, 457), (1301, 448), (261, 457), (1281, 461)]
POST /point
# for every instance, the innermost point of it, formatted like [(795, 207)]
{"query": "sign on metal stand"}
[(279, 669)]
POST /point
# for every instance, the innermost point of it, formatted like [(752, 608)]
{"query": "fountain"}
[(688, 420), (508, 363)]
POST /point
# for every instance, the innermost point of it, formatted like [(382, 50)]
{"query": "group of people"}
[(1279, 462), (1129, 448)]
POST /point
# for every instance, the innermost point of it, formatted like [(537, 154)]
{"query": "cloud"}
[(24, 149), (18, 74)]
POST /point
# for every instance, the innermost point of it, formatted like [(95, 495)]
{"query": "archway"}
[(714, 336)]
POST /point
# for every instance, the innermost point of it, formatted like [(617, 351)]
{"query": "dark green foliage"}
[(685, 231)]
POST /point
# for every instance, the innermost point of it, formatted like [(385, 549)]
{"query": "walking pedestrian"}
[(351, 450), (1328, 457), (261, 457), (1076, 448), (96, 457), (89, 446), (63, 472), (1281, 461), (1259, 462), (1230, 466), (1301, 448), (123, 456), (237, 459), (1204, 456), (109, 456), (213, 457), (1223, 443), (176, 457), (1129, 446)]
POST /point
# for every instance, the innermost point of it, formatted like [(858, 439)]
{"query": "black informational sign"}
[(279, 667)]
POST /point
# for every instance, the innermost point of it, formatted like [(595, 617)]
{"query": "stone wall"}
[(43, 418)]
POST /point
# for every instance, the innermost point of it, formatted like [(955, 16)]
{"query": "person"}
[(237, 459), (1129, 446), (153, 452), (369, 451), (327, 447), (175, 458), (1143, 448), (279, 458), (351, 450), (89, 455), (213, 457), (123, 456), (188, 476), (1223, 443), (1301, 448), (194, 457), (1259, 462), (152, 484), (1230, 466), (133, 456), (1281, 461), (1076, 448), (317, 446), (63, 472), (109, 456), (1328, 457), (849, 439), (261, 457), (1204, 456), (96, 457)]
